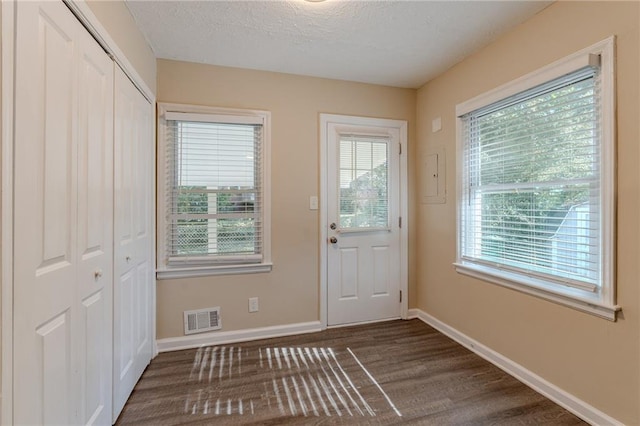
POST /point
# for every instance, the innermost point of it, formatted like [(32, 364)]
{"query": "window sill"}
[(515, 282), (205, 271)]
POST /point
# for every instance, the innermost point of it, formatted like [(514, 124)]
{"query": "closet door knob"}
[(128, 259), (97, 274)]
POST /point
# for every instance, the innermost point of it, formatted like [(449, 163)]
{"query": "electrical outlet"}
[(253, 304)]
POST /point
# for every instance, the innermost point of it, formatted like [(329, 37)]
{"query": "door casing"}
[(401, 125)]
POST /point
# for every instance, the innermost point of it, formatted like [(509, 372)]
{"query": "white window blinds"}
[(214, 189), (364, 185), (531, 199)]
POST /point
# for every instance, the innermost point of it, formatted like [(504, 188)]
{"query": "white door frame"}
[(7, 10), (401, 125)]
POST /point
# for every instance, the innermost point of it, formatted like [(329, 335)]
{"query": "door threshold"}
[(364, 322)]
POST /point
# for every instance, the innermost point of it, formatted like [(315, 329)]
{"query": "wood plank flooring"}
[(396, 372)]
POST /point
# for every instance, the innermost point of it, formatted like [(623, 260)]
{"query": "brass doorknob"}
[(333, 240)]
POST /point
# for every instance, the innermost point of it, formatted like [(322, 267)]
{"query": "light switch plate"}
[(436, 125), (254, 304), (313, 203)]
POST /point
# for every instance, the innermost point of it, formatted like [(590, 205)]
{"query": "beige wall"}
[(593, 359), (117, 20), (290, 293)]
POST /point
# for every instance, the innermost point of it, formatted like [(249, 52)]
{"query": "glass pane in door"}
[(364, 186)]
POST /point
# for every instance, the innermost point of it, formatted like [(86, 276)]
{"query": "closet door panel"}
[(95, 230), (54, 384), (63, 250), (143, 319), (124, 277), (144, 155), (95, 399), (124, 352), (55, 69), (45, 214), (133, 297)]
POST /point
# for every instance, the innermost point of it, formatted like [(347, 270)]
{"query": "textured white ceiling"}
[(394, 43)]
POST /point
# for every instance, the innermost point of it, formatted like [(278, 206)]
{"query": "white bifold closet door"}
[(63, 229), (134, 267)]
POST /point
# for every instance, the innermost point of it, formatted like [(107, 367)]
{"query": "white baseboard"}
[(225, 337), (561, 397)]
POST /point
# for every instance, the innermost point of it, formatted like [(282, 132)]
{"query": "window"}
[(213, 187), (536, 183), (364, 199)]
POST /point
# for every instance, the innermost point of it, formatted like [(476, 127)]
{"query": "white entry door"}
[(63, 152), (133, 241), (363, 220)]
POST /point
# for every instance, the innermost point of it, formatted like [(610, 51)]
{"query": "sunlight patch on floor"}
[(293, 381)]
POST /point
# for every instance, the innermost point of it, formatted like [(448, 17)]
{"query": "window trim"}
[(173, 270), (601, 303)]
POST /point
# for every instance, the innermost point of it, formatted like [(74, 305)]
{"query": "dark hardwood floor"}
[(397, 372)]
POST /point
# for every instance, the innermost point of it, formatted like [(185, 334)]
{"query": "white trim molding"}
[(226, 337), (540, 290), (175, 273), (580, 408)]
